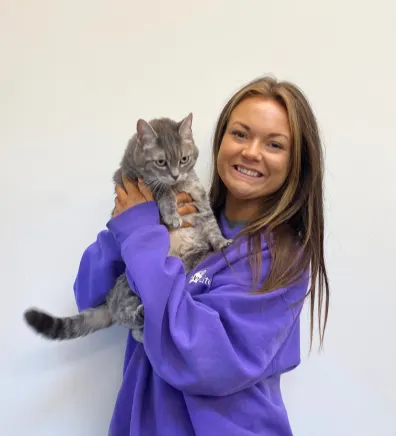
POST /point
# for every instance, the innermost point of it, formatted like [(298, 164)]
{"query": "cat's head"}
[(165, 149)]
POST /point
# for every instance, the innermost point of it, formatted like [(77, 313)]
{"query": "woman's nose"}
[(252, 151)]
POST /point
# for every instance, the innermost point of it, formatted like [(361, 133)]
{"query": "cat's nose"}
[(175, 176)]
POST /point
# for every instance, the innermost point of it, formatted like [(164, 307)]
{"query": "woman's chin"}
[(243, 194)]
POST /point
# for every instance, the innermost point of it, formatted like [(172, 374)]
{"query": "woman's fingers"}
[(186, 209), (183, 197), (185, 224), (120, 192), (128, 185), (145, 190)]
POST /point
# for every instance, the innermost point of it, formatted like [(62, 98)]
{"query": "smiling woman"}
[(214, 351), (254, 155)]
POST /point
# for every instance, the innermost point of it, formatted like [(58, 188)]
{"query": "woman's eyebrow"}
[(271, 135)]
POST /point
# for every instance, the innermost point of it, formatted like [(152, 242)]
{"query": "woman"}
[(214, 350)]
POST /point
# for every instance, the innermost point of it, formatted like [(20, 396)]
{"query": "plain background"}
[(76, 76)]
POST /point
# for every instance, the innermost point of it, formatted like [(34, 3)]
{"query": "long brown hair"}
[(295, 212)]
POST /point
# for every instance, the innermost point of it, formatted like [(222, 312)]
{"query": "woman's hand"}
[(140, 193), (184, 209), (131, 196)]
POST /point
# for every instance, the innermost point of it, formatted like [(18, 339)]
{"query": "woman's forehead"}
[(262, 115)]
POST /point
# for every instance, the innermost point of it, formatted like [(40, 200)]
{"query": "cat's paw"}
[(138, 335), (177, 222), (221, 244), (173, 221), (139, 316)]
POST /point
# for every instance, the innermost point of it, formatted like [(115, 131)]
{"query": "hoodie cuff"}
[(134, 219)]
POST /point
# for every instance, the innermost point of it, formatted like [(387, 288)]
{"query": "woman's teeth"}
[(250, 173)]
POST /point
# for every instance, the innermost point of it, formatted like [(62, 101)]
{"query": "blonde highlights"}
[(294, 214)]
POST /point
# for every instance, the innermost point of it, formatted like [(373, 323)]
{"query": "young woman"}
[(216, 346)]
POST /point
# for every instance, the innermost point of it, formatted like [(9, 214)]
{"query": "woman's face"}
[(254, 155)]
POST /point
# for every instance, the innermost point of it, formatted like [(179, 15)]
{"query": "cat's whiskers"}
[(155, 186)]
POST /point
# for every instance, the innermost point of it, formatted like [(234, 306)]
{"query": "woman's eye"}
[(239, 134), (184, 159), (275, 145), (161, 162)]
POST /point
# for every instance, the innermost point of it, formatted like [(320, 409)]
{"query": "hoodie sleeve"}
[(215, 343), (99, 268)]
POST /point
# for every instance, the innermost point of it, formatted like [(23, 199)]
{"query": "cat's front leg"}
[(214, 235), (219, 243), (167, 205), (210, 227)]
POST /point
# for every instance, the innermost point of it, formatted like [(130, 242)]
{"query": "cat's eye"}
[(160, 162), (184, 159)]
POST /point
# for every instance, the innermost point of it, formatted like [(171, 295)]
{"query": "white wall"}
[(76, 75)]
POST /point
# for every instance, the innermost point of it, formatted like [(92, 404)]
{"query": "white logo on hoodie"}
[(200, 277)]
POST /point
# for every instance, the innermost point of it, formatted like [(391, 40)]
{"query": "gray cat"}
[(163, 153)]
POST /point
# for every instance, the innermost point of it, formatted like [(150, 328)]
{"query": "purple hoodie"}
[(213, 353)]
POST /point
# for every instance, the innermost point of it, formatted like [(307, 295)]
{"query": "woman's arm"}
[(102, 263), (215, 343), (99, 268)]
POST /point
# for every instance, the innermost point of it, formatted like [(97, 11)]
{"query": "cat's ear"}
[(145, 132), (185, 127)]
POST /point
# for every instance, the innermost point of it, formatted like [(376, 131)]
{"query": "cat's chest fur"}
[(182, 240)]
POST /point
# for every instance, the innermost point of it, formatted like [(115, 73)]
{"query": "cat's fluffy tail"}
[(71, 327)]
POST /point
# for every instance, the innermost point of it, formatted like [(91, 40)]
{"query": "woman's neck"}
[(241, 210)]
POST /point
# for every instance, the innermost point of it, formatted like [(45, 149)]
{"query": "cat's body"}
[(163, 154)]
